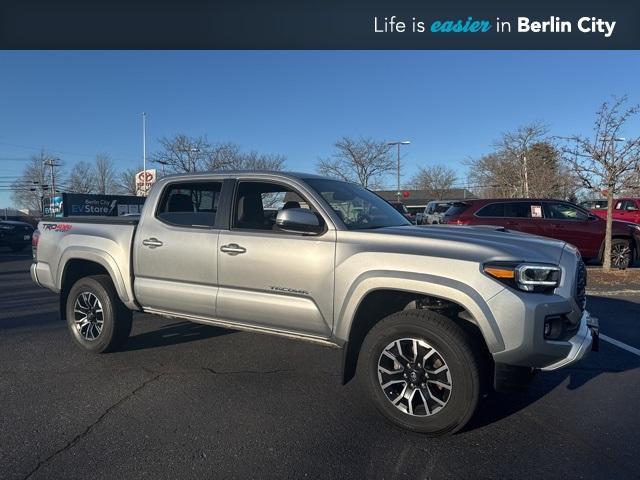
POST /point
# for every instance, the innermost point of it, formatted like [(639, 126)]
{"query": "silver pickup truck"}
[(430, 318)]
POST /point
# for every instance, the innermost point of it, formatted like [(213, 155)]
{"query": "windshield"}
[(356, 206)]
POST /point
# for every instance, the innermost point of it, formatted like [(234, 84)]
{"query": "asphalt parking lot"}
[(190, 401)]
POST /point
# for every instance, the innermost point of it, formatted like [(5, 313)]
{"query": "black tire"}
[(116, 317), (460, 352), (621, 253)]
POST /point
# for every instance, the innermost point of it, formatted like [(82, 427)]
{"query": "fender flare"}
[(103, 259), (421, 284)]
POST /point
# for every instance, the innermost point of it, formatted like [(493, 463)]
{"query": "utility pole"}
[(144, 153), (398, 143), (52, 163)]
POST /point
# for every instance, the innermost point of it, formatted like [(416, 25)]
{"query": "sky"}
[(450, 105)]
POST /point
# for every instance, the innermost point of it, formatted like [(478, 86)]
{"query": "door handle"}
[(233, 249), (151, 242)]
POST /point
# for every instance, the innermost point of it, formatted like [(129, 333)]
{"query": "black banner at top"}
[(318, 24)]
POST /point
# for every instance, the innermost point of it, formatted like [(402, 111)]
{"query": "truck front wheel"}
[(422, 372), (99, 322)]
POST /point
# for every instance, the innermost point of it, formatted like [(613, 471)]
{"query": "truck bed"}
[(90, 240)]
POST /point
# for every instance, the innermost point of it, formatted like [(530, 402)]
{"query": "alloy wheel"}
[(88, 316), (620, 255), (414, 377)]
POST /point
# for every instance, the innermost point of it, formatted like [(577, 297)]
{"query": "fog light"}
[(554, 327)]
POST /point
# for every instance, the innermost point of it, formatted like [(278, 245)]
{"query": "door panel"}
[(565, 222), (179, 276), (175, 251), (281, 281), (269, 277)]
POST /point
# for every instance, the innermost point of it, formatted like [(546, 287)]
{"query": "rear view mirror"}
[(299, 220)]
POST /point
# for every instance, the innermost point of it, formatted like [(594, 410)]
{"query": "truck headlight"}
[(525, 276)]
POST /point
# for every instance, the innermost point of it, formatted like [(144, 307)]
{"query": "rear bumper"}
[(582, 342)]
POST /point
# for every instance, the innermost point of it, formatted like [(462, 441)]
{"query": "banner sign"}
[(81, 204)]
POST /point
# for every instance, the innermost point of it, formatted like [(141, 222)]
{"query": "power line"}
[(60, 152)]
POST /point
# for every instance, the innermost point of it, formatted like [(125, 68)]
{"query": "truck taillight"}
[(35, 238)]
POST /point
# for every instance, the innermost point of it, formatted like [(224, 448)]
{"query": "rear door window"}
[(517, 210), (563, 211), (627, 205), (491, 210), (193, 204)]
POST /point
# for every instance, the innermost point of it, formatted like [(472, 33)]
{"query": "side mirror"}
[(592, 216), (299, 220)]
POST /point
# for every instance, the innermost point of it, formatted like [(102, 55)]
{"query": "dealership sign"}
[(81, 204), (144, 180), (52, 206)]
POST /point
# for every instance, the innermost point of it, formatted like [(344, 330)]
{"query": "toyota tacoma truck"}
[(429, 319)]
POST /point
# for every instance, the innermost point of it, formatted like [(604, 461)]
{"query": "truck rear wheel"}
[(99, 322), (422, 372)]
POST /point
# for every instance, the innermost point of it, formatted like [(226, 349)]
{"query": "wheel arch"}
[(368, 304), (635, 248), (84, 263)]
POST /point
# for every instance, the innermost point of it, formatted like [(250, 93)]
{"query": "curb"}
[(604, 293)]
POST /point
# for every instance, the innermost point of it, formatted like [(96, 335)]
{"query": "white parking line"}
[(619, 344)]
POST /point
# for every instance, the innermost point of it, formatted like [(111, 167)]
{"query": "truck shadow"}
[(609, 360), (173, 334)]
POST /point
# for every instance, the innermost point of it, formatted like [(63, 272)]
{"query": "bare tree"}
[(517, 144), (436, 180), (82, 178), (364, 161), (605, 161), (126, 181), (229, 156), (33, 185), (190, 154), (524, 163), (180, 153), (105, 174)]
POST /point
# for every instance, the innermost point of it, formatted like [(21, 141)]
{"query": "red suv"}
[(551, 218), (627, 209)]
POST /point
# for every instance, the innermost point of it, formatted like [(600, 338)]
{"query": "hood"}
[(473, 243)]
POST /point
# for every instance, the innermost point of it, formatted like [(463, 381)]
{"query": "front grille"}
[(581, 285)]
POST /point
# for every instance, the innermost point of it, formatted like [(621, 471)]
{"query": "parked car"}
[(402, 208), (627, 209), (594, 204), (555, 219), (15, 235), (429, 318), (434, 212)]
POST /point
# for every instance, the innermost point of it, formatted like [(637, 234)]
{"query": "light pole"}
[(398, 143), (144, 153)]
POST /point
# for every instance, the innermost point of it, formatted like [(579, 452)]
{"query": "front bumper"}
[(585, 340)]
